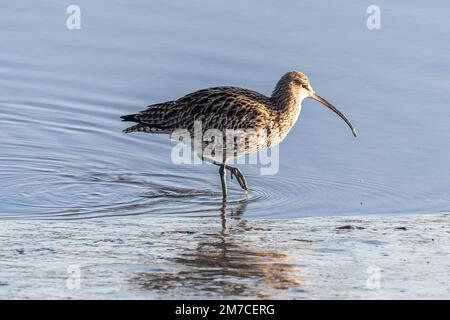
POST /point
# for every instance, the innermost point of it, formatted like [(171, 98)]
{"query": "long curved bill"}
[(329, 105)]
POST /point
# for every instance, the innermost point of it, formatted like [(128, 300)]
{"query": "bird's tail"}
[(145, 128), (135, 128), (149, 120)]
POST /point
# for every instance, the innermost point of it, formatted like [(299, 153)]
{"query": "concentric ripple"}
[(53, 168), (53, 194), (63, 154)]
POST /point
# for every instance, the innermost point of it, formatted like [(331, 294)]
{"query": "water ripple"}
[(69, 160), (53, 166)]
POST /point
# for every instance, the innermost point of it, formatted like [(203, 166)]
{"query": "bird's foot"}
[(239, 177)]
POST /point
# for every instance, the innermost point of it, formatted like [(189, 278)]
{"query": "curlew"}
[(257, 121)]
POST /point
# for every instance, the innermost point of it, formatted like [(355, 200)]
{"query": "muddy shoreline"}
[(358, 257)]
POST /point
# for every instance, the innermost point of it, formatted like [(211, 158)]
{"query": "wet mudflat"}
[(159, 258)]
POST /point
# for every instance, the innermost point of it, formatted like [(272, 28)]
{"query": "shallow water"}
[(370, 257), (64, 159), (63, 154)]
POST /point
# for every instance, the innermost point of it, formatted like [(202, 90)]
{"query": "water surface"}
[(63, 156)]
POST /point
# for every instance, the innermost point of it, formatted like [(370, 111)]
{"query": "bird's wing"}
[(222, 108), (215, 108), (241, 116)]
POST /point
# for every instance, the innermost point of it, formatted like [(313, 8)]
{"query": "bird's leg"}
[(234, 172), (223, 180), (239, 176)]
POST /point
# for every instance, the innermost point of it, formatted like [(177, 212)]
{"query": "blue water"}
[(62, 153)]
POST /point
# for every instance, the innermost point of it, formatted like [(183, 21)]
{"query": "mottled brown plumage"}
[(269, 119)]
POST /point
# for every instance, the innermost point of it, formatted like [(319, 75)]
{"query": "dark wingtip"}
[(128, 117)]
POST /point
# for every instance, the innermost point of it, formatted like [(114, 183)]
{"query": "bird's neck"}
[(286, 100)]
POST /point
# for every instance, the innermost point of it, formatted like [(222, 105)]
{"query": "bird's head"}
[(299, 86)]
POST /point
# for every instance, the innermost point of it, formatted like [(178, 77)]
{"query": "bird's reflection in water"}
[(229, 263)]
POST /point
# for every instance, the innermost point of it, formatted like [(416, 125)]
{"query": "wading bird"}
[(232, 108)]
